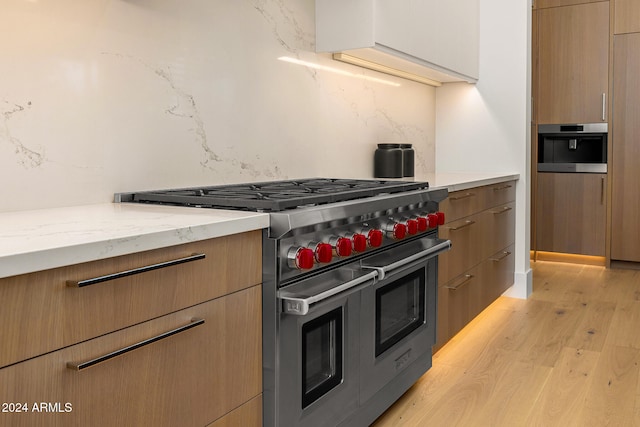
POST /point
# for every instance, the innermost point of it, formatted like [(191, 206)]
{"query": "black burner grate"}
[(274, 196)]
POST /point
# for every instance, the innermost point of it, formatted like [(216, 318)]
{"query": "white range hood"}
[(429, 41)]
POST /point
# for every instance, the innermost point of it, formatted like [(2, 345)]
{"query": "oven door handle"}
[(426, 254), (300, 306)]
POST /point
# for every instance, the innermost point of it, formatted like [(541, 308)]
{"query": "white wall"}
[(103, 96), (485, 128)]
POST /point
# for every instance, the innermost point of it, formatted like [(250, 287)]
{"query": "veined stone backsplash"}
[(103, 96)]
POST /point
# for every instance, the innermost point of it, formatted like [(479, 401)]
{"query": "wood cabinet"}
[(571, 213), (573, 58), (542, 4), (480, 222), (626, 16), (170, 345), (437, 39), (625, 200)]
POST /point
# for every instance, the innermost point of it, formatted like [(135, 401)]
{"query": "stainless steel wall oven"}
[(349, 291)]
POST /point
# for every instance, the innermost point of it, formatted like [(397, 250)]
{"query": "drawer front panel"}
[(500, 223), (248, 415), (499, 194), (460, 204), (47, 313), (498, 273), (466, 242), (216, 366), (459, 301)]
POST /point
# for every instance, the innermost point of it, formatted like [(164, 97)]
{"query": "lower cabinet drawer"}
[(459, 301), (498, 274), (464, 297), (190, 377), (466, 237), (500, 225), (248, 415), (54, 308)]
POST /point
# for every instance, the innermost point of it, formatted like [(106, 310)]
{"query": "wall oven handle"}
[(120, 274), (300, 306), (433, 251)]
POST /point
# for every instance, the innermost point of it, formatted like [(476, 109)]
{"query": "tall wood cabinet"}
[(626, 16), (177, 343), (625, 222), (573, 43)]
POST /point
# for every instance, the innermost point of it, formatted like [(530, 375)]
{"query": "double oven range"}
[(349, 291)]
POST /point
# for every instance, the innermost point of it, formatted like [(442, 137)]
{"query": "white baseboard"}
[(522, 285)]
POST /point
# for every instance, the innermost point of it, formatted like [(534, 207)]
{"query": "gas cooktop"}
[(272, 196)]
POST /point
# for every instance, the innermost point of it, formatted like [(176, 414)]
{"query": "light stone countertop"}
[(48, 238), (464, 181)]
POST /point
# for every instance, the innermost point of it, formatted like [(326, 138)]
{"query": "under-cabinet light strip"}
[(384, 69)]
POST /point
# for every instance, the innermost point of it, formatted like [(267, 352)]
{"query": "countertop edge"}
[(43, 257), (459, 186)]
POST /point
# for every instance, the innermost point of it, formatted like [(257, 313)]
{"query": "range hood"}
[(431, 41)]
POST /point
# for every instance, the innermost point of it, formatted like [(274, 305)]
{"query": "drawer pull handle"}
[(502, 256), (84, 365), (503, 210), (467, 279), (113, 276), (460, 227), (464, 196), (504, 187)]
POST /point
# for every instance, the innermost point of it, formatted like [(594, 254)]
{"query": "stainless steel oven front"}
[(353, 339)]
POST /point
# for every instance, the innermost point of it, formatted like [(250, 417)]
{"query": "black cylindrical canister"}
[(387, 161), (408, 160)]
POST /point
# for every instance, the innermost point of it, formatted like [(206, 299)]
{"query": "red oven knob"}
[(399, 231), (375, 238), (301, 258), (440, 218), (359, 242), (323, 252), (396, 230), (412, 226), (432, 220), (423, 223), (342, 246)]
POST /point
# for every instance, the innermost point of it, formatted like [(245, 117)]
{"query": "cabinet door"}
[(625, 220), (571, 214), (189, 378), (627, 16), (573, 63)]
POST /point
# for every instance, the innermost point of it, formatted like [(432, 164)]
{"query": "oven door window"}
[(400, 309), (321, 355)]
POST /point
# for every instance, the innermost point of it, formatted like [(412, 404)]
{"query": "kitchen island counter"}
[(48, 238)]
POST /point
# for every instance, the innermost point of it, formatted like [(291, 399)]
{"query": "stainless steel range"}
[(349, 291)]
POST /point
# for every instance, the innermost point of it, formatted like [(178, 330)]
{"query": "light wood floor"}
[(567, 356)]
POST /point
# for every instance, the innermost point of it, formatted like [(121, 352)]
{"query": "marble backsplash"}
[(103, 96)]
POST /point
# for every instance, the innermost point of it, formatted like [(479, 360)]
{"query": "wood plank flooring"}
[(567, 356)]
